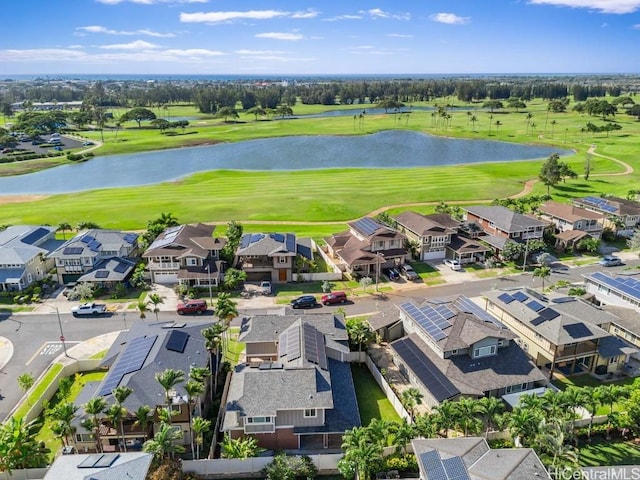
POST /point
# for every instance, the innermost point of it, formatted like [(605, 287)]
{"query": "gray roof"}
[(480, 461), (496, 241), (105, 241), (266, 328), (428, 225), (21, 243), (269, 244), (626, 318), (505, 219), (115, 269), (11, 275), (129, 465), (192, 239)]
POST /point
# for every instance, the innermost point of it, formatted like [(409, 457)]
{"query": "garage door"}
[(165, 277), (433, 255)]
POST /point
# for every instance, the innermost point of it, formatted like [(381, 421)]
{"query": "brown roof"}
[(194, 239), (568, 212), (467, 245), (568, 235), (427, 225)]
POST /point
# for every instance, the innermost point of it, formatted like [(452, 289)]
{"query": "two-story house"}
[(23, 255), (272, 256), (295, 390), (454, 348), (133, 360), (367, 247), (501, 224), (621, 215), (621, 291), (432, 233), (103, 257), (187, 254), (561, 333), (571, 223)]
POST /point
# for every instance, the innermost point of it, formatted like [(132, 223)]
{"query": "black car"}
[(305, 301), (392, 274)]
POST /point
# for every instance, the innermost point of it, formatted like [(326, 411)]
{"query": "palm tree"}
[(143, 308), (553, 125), (552, 440), (591, 401), (162, 445), (467, 409), (490, 407), (378, 431), (199, 426), (446, 416), (242, 448), (528, 117), (169, 378), (359, 334), (213, 336), (523, 425), (410, 398), (553, 404), (531, 402), (403, 432), (199, 374), (64, 227), (20, 446), (193, 389), (63, 414), (498, 123), (354, 437), (573, 398), (95, 407), (542, 272), (360, 458), (120, 394), (609, 395), (114, 414), (226, 310), (156, 300), (474, 119), (143, 418), (426, 425)]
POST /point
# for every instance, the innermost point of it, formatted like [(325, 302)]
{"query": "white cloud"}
[(137, 45), (449, 18), (636, 26), (37, 54), (378, 13), (399, 35), (258, 52), (229, 16), (108, 31), (280, 36), (343, 17), (603, 6), (308, 14), (149, 2)]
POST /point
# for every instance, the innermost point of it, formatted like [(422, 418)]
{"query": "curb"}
[(6, 351)]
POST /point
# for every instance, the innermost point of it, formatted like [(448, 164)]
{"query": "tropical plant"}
[(143, 308), (120, 394), (361, 456), (359, 334), (193, 389), (290, 467), (143, 418), (523, 425), (155, 299), (213, 339), (242, 448), (64, 227), (168, 379), (163, 443), (199, 426), (410, 398), (542, 273), (25, 381), (63, 415), (491, 408), (19, 447), (403, 432), (468, 410), (96, 407)]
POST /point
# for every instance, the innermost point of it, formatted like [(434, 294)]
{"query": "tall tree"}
[(468, 410), (163, 443), (550, 173), (490, 407), (96, 407), (193, 390), (120, 394), (411, 397), (156, 300), (200, 426), (213, 339), (168, 379), (543, 273)]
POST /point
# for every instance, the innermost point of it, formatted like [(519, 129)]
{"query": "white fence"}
[(26, 474), (251, 467), (395, 401), (328, 260), (318, 277)]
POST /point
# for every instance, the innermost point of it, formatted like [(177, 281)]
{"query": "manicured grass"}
[(606, 452), (372, 401), (36, 393), (234, 348), (586, 381)]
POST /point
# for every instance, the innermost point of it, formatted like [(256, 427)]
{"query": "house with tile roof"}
[(133, 360), (295, 391), (454, 348), (621, 215), (471, 458), (187, 254), (367, 247), (275, 257), (102, 257), (561, 333), (432, 233), (24, 251)]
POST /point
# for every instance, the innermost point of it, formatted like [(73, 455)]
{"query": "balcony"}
[(164, 265), (580, 350), (250, 428)]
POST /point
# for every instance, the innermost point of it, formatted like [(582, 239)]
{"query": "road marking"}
[(33, 357), (48, 348)]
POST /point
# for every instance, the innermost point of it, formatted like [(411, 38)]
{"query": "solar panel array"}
[(94, 246), (102, 273), (520, 296), (428, 319), (177, 341), (121, 267), (130, 237), (577, 330), (292, 348), (290, 242), (627, 285), (601, 203), (314, 350), (436, 468), (36, 235), (366, 225), (465, 305), (72, 250), (544, 315), (99, 460), (506, 298), (87, 239), (130, 360), (282, 344), (535, 306), (455, 469), (429, 375)]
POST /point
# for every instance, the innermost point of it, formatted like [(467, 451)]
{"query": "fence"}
[(319, 277), (391, 395), (328, 260), (26, 474)]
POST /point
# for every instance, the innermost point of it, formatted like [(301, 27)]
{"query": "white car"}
[(453, 264)]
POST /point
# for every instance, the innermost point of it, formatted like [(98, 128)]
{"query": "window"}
[(192, 261), (310, 413), (613, 360), (282, 259), (259, 420), (454, 351), (484, 351), (84, 437)]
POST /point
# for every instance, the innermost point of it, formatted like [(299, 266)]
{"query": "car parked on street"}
[(333, 298), (192, 306), (305, 301), (610, 261), (408, 272), (453, 264)]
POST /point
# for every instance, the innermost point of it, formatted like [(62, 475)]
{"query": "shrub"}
[(501, 443)]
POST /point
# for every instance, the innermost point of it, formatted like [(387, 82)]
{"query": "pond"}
[(390, 149)]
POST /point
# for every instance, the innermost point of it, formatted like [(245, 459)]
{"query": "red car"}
[(333, 298), (192, 306)]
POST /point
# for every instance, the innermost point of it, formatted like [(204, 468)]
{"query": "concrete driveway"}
[(452, 276)]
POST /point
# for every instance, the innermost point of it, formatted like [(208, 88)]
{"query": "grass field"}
[(372, 402), (603, 452), (339, 195)]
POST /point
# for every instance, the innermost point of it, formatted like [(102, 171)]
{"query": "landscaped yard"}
[(428, 274), (372, 401), (607, 452), (586, 380), (234, 348)]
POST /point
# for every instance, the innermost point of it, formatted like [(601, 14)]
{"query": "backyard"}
[(372, 401)]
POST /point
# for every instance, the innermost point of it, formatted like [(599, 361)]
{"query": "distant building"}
[(621, 215)]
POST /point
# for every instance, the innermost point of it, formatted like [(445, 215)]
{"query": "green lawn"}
[(38, 390), (372, 401), (606, 452), (234, 348), (586, 381)]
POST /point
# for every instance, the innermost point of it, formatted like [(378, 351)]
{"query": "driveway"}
[(453, 276)]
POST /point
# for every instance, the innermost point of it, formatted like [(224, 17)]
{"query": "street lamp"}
[(208, 268), (378, 256), (64, 346)]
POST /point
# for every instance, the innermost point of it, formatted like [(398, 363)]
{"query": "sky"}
[(254, 37)]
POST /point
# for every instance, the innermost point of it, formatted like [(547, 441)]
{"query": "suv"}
[(192, 306), (408, 272), (453, 264), (265, 287), (610, 261), (333, 298), (305, 301), (391, 273)]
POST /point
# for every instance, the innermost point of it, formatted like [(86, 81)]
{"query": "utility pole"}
[(62, 339), (526, 252)]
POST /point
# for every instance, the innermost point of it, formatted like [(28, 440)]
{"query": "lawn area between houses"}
[(372, 402), (36, 392), (608, 452), (587, 380)]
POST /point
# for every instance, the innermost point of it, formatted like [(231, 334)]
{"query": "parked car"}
[(87, 143), (89, 309), (453, 264), (408, 272), (333, 298), (265, 287), (192, 306), (305, 301), (610, 261), (392, 274)]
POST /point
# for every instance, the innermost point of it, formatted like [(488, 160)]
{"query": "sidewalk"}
[(88, 348)]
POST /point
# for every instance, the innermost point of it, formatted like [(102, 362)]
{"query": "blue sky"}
[(321, 37)]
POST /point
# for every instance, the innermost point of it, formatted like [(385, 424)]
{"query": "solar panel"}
[(36, 235), (445, 311), (245, 240), (130, 360), (278, 237), (506, 298), (535, 306), (628, 286), (366, 225), (87, 239), (256, 237), (121, 267), (94, 246), (290, 242), (282, 344), (106, 460), (578, 330), (293, 344), (429, 375), (72, 250), (548, 314), (177, 341), (455, 468), (102, 273), (537, 321), (90, 461), (433, 466), (466, 305), (428, 319), (521, 297), (563, 300), (130, 237), (314, 346), (609, 208)]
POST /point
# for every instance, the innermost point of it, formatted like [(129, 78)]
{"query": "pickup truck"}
[(89, 309)]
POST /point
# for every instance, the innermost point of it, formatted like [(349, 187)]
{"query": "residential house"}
[(23, 255), (467, 250), (454, 348), (432, 233), (561, 333), (501, 224), (134, 359), (273, 256), (99, 466), (572, 224), (471, 458), (186, 254), (367, 247), (103, 257), (619, 290), (295, 390), (621, 215)]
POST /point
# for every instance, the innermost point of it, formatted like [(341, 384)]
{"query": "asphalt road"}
[(36, 338)]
